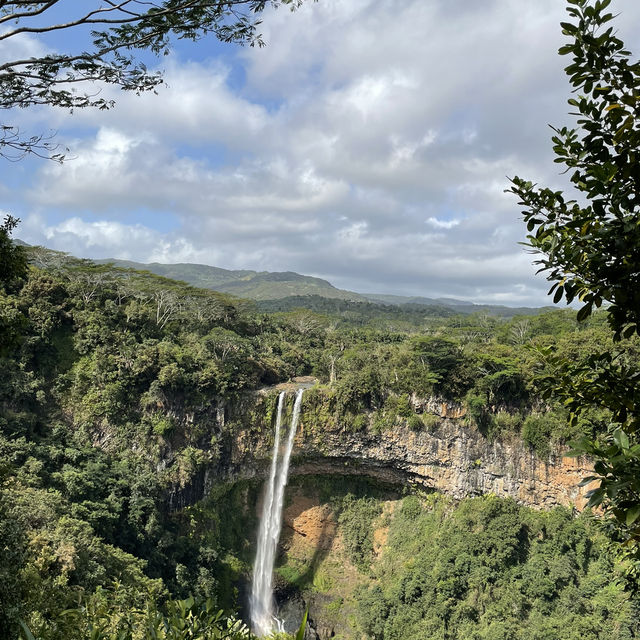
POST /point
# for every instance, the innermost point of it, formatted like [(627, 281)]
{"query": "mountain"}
[(257, 285), (283, 290), (459, 306), (387, 298)]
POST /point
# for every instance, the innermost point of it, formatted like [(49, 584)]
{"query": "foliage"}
[(177, 620), (488, 568), (431, 421), (356, 519), (13, 261), (119, 33), (415, 422), (590, 249), (122, 388), (535, 432)]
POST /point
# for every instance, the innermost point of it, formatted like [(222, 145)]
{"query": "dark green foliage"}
[(101, 619), (415, 423), (491, 569), (591, 251), (13, 260), (589, 247), (538, 429), (99, 357), (356, 523), (111, 409), (445, 361)]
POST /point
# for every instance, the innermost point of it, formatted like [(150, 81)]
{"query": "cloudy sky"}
[(368, 143)]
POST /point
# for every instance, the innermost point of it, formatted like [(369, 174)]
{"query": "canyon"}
[(453, 457)]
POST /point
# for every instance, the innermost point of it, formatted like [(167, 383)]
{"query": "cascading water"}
[(263, 619)]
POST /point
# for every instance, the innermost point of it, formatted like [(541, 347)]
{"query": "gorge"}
[(133, 452), (452, 457)]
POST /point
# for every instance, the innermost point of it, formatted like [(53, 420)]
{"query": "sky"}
[(369, 143)]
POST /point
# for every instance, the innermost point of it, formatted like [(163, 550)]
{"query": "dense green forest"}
[(123, 389), (425, 566), (110, 399)]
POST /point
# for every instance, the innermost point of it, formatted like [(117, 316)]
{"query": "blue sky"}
[(368, 143)]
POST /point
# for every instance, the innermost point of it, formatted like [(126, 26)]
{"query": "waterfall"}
[(263, 619)]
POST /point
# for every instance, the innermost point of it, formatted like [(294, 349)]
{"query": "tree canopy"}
[(117, 32)]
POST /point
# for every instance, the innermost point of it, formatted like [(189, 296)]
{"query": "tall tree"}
[(589, 248), (13, 261)]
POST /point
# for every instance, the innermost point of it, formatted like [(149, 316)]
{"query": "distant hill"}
[(387, 298), (285, 290), (256, 285), (459, 306)]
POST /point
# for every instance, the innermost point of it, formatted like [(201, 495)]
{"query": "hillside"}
[(136, 419), (270, 287), (256, 285)]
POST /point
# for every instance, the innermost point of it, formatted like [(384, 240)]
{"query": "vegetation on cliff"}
[(120, 387), (427, 567)]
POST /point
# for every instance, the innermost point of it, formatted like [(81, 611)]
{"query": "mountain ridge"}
[(270, 286), (290, 289)]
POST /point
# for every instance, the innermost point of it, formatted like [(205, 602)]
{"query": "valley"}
[(138, 427)]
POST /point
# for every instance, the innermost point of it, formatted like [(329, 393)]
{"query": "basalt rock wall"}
[(454, 458)]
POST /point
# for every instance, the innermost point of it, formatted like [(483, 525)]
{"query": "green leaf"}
[(584, 312), (621, 439), (27, 632), (632, 515), (558, 295), (303, 626)]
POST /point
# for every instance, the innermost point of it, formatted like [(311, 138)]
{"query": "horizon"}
[(367, 144), (463, 302)]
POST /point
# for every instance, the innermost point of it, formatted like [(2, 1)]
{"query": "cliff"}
[(454, 458)]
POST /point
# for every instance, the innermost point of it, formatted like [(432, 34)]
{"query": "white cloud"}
[(369, 144), (442, 224)]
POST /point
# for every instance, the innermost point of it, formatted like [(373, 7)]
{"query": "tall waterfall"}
[(263, 619)]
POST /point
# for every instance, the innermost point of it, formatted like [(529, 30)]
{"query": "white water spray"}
[(263, 619)]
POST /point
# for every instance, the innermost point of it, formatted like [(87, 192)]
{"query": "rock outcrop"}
[(453, 458)]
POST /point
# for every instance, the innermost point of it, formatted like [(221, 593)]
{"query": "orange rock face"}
[(453, 458)]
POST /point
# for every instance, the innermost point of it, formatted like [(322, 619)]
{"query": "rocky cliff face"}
[(453, 458)]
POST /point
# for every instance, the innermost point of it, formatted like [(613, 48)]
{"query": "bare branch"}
[(15, 148)]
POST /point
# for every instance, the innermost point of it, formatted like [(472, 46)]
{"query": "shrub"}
[(431, 421), (505, 422), (415, 423), (400, 405), (478, 411), (411, 507), (382, 421), (355, 422), (356, 520), (536, 432), (161, 424)]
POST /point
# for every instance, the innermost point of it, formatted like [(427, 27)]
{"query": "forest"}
[(109, 404), (124, 394)]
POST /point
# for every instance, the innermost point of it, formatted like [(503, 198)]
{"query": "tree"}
[(13, 261), (120, 30), (590, 250)]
